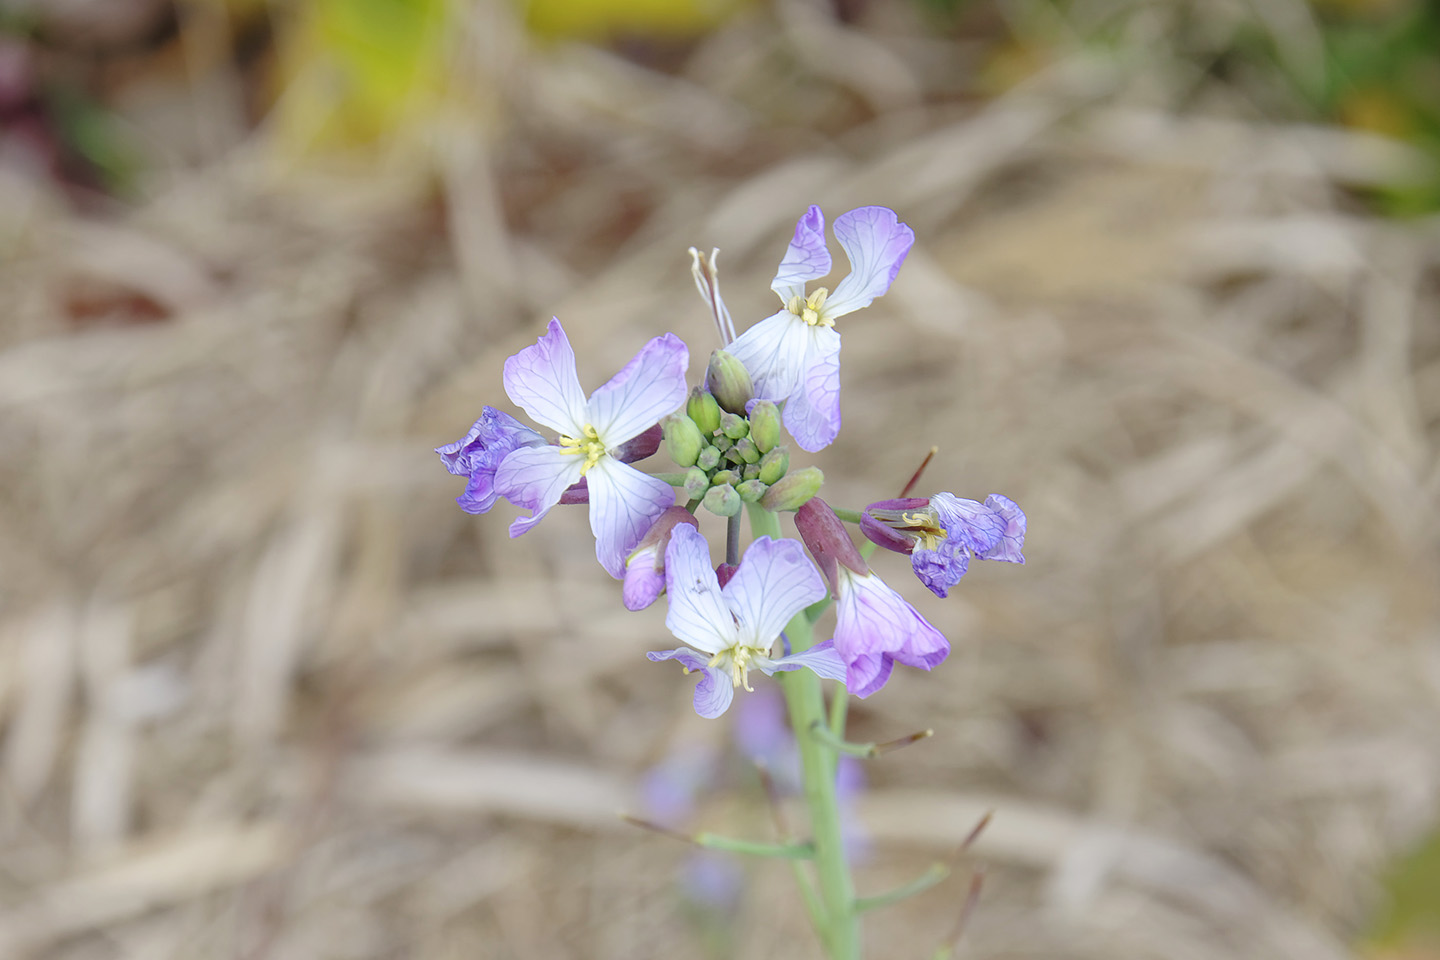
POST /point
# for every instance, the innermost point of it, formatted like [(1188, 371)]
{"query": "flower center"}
[(922, 526), (810, 309), (736, 662), (588, 446)]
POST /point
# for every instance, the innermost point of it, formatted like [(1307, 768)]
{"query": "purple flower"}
[(875, 627), (493, 437), (942, 533), (624, 502), (645, 567), (794, 355), (733, 628)]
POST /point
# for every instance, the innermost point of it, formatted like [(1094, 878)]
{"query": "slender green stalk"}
[(777, 851), (926, 880), (806, 706)]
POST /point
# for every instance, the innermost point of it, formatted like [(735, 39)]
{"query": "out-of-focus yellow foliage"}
[(598, 19), (1408, 925), (361, 75)]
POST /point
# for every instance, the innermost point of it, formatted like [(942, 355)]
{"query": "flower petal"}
[(812, 414), (698, 614), (871, 618), (643, 579), (876, 242), (805, 259), (821, 658), (940, 569), (490, 440), (775, 581), (651, 385), (969, 522), (534, 478), (714, 691), (624, 503), (542, 380), (773, 351), (868, 674), (1013, 538)]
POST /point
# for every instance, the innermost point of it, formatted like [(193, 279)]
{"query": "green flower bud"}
[(751, 471), (745, 446), (697, 481), (729, 382), (732, 457), (793, 490), (704, 411), (765, 425), (709, 459), (731, 477), (734, 426), (723, 501), (682, 439), (774, 464), (722, 443), (751, 490)]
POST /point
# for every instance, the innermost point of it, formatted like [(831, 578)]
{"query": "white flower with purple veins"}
[(733, 629), (794, 355), (624, 502)]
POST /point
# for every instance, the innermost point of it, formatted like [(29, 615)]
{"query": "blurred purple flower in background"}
[(794, 355)]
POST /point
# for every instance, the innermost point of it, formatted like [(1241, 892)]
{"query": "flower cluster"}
[(725, 435)]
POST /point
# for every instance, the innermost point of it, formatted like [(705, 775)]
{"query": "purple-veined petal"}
[(812, 414), (871, 618), (876, 243), (940, 569), (968, 523), (821, 658), (773, 351), (1011, 541), (491, 437), (868, 673), (542, 380), (643, 579), (714, 691), (805, 259), (651, 385), (775, 581), (534, 478), (698, 614), (624, 503)]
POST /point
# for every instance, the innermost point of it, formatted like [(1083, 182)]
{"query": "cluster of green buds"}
[(733, 458)]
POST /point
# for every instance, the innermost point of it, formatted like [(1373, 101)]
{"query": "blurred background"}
[(266, 692)]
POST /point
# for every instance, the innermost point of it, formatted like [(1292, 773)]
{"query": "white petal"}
[(876, 243), (775, 581), (805, 259), (624, 503), (541, 379), (773, 350), (651, 385), (698, 614)]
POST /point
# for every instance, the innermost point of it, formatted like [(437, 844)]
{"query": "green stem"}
[(806, 705), (849, 516), (926, 880), (777, 851)]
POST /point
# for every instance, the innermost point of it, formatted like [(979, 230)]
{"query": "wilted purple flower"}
[(491, 439), (733, 628), (943, 532), (794, 355), (874, 626), (645, 567), (623, 501)]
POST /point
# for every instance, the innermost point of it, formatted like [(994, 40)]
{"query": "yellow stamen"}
[(922, 526), (810, 308), (737, 662), (588, 446)]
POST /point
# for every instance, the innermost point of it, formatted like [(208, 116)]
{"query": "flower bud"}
[(793, 490), (724, 477), (751, 490), (729, 382), (765, 425), (645, 567), (774, 465), (734, 426), (703, 409), (722, 443), (745, 447), (642, 445), (723, 501), (751, 472), (682, 439), (709, 459), (697, 481), (827, 540)]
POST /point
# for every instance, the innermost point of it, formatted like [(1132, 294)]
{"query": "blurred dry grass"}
[(267, 693)]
